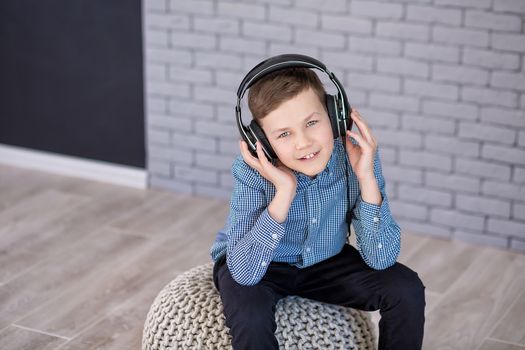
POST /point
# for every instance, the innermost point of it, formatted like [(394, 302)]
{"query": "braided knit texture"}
[(188, 314)]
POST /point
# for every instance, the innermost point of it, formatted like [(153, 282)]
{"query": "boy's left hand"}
[(361, 155)]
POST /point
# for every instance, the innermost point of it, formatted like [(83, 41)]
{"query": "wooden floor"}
[(81, 261)]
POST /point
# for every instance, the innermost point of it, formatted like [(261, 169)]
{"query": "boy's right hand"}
[(281, 176)]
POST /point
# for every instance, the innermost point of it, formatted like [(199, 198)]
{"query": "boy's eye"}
[(312, 122), (284, 134)]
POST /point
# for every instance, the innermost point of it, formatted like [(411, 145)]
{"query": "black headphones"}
[(337, 105)]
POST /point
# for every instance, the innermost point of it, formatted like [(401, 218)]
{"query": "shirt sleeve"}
[(378, 236), (252, 234)]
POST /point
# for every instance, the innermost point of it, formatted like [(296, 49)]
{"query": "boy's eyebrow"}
[(286, 127)]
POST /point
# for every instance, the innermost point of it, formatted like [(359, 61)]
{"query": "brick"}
[(193, 40), (241, 45), (374, 45), (376, 9), (503, 154), (509, 117), (399, 138), (336, 6), (347, 60), (483, 205), (179, 56), (214, 94), (406, 210), (216, 25), (455, 182), (167, 88), (503, 190), (482, 169), (426, 196), (279, 48), (519, 175), (193, 142), (509, 6), (212, 191), (156, 104), (217, 129), (158, 136), (509, 42), (434, 230), (517, 244), (508, 80), (428, 124), (167, 21), (191, 108), (204, 7), (483, 132), (155, 5), (425, 160), (170, 154), (465, 3), (403, 66), (374, 82), (486, 96), (156, 71), (460, 36), (403, 174), (506, 227), (394, 102), (494, 21), (191, 75), (241, 10), (456, 218), (432, 52), (518, 211), (170, 122), (346, 24), (268, 31), (460, 74), (403, 30), (490, 59), (321, 39), (170, 184), (379, 118), (217, 60), (451, 110), (159, 167), (434, 14), (226, 180), (431, 89), (229, 147), (229, 80), (294, 16), (521, 138), (214, 161), (451, 145), (226, 114), (156, 38), (481, 239), (193, 174)]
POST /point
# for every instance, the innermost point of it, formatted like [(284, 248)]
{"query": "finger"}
[(363, 127), (262, 156), (247, 156), (360, 140)]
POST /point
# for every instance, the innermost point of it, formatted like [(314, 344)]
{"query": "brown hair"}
[(268, 93)]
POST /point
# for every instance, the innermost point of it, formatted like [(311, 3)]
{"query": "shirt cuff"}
[(267, 231), (374, 217)]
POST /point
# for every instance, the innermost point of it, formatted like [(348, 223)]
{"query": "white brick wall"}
[(441, 83)]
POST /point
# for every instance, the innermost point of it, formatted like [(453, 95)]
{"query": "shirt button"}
[(263, 263), (380, 246), (308, 249), (314, 220), (274, 236), (331, 174), (376, 219)]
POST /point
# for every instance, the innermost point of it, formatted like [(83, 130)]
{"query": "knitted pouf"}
[(187, 314)]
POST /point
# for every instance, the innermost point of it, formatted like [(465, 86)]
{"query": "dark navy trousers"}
[(343, 279)]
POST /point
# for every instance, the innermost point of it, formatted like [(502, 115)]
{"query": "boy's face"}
[(300, 133)]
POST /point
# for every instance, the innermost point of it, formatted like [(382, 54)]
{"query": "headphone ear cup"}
[(331, 108), (261, 136)]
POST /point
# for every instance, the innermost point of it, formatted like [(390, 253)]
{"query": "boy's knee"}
[(407, 287)]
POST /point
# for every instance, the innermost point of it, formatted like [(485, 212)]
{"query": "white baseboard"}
[(73, 166)]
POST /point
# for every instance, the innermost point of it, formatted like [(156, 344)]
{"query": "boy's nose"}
[(302, 141)]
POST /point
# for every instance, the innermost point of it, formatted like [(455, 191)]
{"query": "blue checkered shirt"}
[(315, 228)]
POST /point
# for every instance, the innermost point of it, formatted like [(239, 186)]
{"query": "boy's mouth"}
[(310, 156)]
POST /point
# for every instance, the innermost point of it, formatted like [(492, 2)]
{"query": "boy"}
[(286, 232)]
